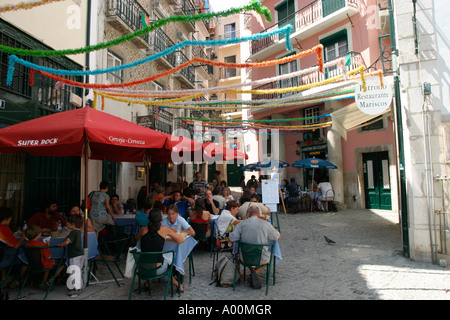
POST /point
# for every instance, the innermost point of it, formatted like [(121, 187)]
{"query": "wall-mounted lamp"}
[(170, 166)]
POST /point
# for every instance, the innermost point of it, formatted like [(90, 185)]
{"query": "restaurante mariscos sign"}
[(376, 99)]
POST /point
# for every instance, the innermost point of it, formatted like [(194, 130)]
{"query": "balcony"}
[(309, 20), (185, 7), (352, 61), (160, 41), (185, 75), (126, 17), (203, 69)]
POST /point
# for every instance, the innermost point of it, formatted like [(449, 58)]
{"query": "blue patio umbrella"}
[(313, 163), (269, 163), (251, 167)]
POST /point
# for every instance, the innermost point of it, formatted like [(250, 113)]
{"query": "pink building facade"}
[(357, 32)]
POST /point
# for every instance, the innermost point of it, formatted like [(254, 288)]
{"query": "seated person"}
[(142, 214), (180, 201), (176, 222), (211, 205), (227, 219), (33, 233), (158, 194), (292, 188), (253, 201), (257, 231), (8, 243), (226, 194), (49, 218), (200, 215), (153, 237), (216, 194), (75, 210), (116, 206), (325, 191)]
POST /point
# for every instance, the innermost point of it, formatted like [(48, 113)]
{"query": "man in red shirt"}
[(49, 219)]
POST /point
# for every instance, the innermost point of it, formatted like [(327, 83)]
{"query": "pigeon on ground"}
[(328, 240)]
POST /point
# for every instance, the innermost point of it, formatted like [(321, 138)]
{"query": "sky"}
[(219, 5)]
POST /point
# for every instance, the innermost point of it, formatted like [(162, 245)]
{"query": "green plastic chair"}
[(145, 269), (200, 229), (33, 255), (250, 257), (110, 252)]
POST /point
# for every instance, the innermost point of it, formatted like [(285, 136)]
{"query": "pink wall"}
[(364, 139)]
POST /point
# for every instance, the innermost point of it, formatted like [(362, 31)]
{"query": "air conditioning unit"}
[(76, 100)]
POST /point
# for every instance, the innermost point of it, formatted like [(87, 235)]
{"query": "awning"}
[(350, 118)]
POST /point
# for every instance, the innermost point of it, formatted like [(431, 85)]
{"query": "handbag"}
[(223, 243), (130, 263)]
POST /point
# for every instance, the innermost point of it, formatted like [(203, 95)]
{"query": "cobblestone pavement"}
[(365, 263)]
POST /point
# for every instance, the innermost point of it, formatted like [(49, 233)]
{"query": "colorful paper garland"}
[(253, 6)]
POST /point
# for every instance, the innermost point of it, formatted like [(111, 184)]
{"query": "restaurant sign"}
[(376, 99)]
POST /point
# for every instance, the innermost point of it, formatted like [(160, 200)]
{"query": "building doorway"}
[(377, 185)]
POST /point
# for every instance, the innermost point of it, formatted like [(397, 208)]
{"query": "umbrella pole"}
[(86, 148), (282, 200), (84, 273)]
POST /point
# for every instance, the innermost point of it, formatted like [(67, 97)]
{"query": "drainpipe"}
[(399, 125), (429, 183)]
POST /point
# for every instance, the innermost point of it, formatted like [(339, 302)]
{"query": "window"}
[(373, 124), (229, 31), (155, 86), (334, 46), (114, 60), (285, 14), (229, 72), (311, 112), (287, 68)]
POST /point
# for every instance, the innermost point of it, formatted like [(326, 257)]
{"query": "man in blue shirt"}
[(182, 202), (176, 222)]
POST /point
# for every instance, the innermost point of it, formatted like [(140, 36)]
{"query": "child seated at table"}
[(33, 233), (75, 250)]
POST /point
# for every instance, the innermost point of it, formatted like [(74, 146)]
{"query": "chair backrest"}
[(329, 195), (33, 255), (200, 229), (146, 262), (251, 253)]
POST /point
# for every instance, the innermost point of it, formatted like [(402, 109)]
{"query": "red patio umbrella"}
[(74, 132), (64, 134)]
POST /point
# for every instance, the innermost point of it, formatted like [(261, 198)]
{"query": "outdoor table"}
[(56, 252), (128, 219), (182, 251)]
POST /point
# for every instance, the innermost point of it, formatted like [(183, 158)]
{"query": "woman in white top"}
[(227, 219), (226, 194)]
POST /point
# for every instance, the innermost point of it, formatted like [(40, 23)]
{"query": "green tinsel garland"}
[(253, 6)]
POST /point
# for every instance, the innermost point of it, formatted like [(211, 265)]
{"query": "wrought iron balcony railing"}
[(351, 60), (309, 14), (129, 11), (160, 41)]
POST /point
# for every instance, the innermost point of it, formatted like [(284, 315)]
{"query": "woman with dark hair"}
[(76, 210), (153, 237), (101, 213), (200, 215)]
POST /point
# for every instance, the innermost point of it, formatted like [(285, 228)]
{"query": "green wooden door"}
[(286, 16), (234, 173), (330, 6), (377, 180), (51, 178), (109, 173)]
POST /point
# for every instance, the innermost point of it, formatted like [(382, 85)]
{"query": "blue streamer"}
[(14, 59)]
